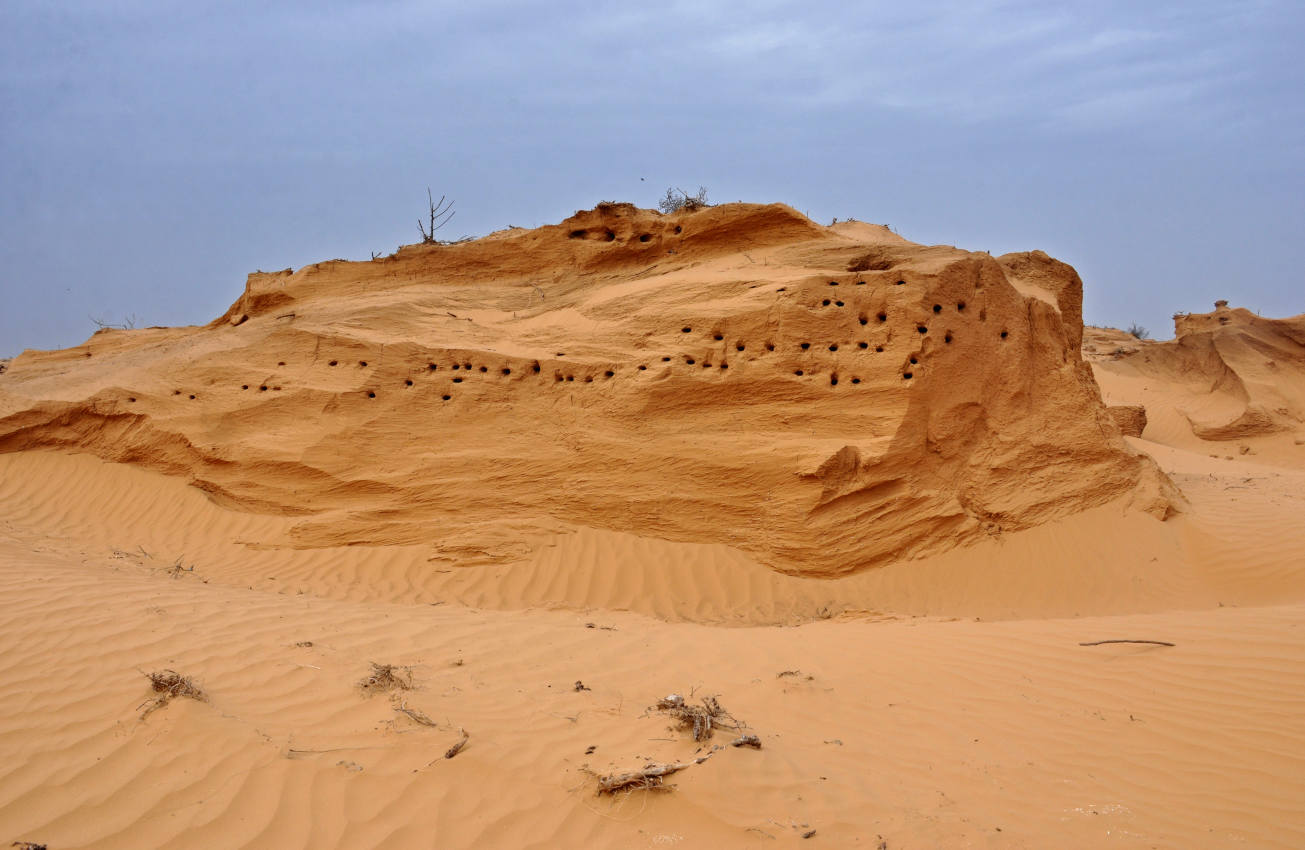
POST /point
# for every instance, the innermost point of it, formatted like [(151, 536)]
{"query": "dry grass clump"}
[(385, 678), (702, 719), (169, 685)]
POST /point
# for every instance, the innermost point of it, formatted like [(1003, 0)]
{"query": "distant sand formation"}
[(827, 399), (1228, 374)]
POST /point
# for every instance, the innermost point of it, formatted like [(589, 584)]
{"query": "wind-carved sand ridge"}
[(824, 399), (1227, 375)]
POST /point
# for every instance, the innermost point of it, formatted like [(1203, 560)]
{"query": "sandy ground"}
[(946, 700), (887, 729)]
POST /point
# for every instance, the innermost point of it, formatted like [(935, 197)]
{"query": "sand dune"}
[(734, 375), (887, 581)]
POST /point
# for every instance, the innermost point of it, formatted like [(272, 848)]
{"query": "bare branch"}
[(440, 215)]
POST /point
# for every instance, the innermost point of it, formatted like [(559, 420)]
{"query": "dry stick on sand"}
[(462, 742), (177, 570), (1125, 640), (169, 684), (416, 715), (650, 778)]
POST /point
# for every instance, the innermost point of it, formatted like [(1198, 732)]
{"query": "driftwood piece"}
[(1126, 640)]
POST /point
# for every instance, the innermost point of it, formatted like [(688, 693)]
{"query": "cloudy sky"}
[(152, 153)]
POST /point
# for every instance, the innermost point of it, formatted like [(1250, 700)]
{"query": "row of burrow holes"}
[(559, 377), (610, 235)]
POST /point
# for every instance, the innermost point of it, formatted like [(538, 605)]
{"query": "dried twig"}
[(1125, 640), (416, 715), (650, 778), (128, 323), (177, 570), (457, 748)]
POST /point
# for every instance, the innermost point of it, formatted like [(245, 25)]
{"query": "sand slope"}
[(917, 731)]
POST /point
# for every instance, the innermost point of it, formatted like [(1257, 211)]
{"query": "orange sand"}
[(888, 580)]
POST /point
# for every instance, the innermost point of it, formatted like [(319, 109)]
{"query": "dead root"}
[(385, 678), (169, 685), (702, 719), (650, 778)]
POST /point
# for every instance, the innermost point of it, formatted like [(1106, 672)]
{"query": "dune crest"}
[(825, 399)]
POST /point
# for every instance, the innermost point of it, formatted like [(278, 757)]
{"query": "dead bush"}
[(170, 685), (385, 678), (702, 720), (674, 202)]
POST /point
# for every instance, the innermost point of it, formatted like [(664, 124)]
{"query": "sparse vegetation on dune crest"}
[(441, 213), (678, 199)]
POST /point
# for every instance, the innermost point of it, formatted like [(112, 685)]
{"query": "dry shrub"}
[(385, 678), (673, 202), (169, 685), (702, 719)]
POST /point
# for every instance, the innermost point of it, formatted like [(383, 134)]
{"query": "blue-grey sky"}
[(151, 153)]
